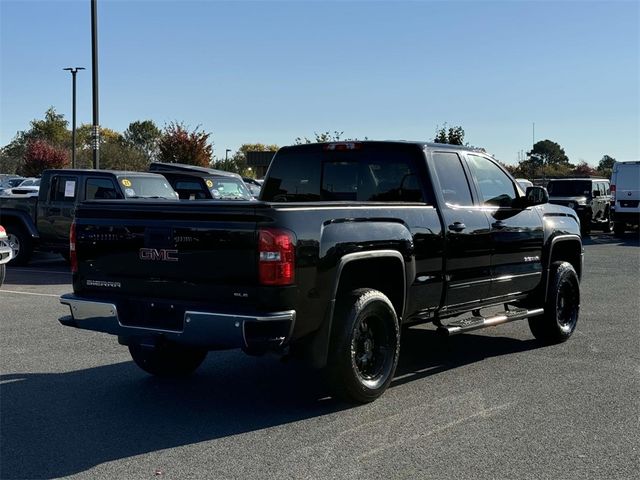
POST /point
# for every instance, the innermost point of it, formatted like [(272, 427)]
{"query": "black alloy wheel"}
[(561, 308), (365, 346)]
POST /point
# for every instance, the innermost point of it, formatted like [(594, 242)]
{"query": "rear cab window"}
[(368, 172), (101, 189), (64, 189)]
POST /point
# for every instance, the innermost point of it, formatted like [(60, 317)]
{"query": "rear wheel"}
[(167, 360), (606, 227), (561, 308), (20, 243), (365, 346)]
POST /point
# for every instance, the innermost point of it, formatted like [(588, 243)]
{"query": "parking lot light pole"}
[(226, 154), (74, 71), (94, 76)]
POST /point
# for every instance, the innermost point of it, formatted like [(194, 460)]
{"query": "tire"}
[(585, 224), (619, 228), (3, 270), (167, 360), (606, 227), (20, 243), (561, 308), (365, 346)]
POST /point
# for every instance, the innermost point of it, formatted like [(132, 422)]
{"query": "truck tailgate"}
[(182, 251)]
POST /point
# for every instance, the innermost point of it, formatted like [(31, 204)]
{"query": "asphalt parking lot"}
[(488, 405)]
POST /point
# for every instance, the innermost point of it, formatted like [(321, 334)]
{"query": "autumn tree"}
[(179, 145), (583, 169), (41, 155)]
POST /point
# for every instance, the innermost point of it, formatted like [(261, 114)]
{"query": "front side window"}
[(496, 188), (453, 180)]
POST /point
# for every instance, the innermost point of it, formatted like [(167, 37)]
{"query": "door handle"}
[(457, 227), (499, 225)]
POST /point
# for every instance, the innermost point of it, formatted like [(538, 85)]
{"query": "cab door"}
[(517, 233), (60, 209), (467, 234)]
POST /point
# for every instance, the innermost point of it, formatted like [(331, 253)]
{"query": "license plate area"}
[(151, 314)]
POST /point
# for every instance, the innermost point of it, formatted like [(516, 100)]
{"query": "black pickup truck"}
[(43, 222), (349, 243)]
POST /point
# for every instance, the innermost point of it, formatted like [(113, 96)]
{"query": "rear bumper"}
[(211, 330), (626, 217)]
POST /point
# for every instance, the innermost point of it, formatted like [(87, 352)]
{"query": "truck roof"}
[(422, 144), (90, 171), (189, 169)]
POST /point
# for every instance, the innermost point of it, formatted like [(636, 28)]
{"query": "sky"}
[(271, 71)]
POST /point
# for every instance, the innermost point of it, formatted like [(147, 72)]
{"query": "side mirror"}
[(537, 196), (596, 193)]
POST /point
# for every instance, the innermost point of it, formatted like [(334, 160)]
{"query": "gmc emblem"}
[(162, 254)]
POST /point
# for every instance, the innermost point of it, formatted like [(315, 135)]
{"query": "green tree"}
[(605, 166), (179, 145), (548, 152), (323, 137), (53, 128), (143, 136), (450, 135)]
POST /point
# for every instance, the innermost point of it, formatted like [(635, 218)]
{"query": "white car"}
[(30, 187), (524, 183), (6, 253)]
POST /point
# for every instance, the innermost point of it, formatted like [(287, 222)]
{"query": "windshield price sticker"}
[(126, 182)]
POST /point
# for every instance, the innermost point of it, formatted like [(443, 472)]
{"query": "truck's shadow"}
[(628, 239), (55, 425)]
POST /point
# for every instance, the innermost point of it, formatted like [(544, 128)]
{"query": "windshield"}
[(33, 182), (12, 182), (228, 188), (568, 188), (146, 187)]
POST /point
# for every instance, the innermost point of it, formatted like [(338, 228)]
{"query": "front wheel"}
[(20, 243), (619, 228), (365, 346), (561, 308), (167, 360)]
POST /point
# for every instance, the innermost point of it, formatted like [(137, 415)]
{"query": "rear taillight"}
[(3, 232), (73, 259), (276, 250), (613, 194)]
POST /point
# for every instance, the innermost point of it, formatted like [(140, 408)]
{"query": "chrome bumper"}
[(213, 330)]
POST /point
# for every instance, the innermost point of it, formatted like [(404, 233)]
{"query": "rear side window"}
[(101, 188), (374, 173), (453, 180), (64, 189)]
